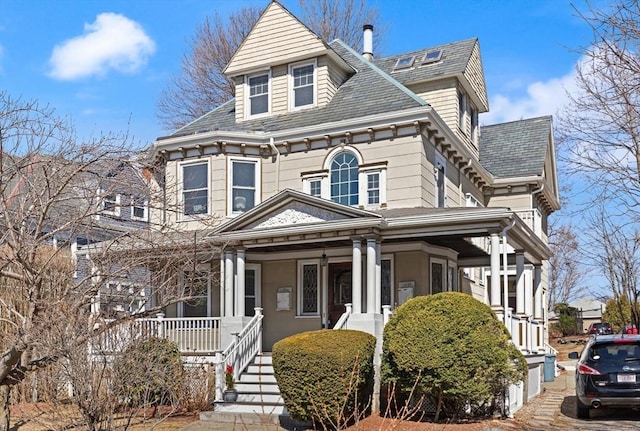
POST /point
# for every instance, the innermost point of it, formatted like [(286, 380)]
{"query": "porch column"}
[(495, 271), (537, 292), (356, 276), (378, 277), (372, 256), (240, 283), (520, 292), (222, 280), (228, 284)]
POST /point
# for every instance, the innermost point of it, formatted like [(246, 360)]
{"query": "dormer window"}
[(302, 85), (259, 94)]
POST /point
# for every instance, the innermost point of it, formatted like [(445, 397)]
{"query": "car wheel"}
[(582, 412)]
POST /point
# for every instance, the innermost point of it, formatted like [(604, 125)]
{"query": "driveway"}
[(555, 410)]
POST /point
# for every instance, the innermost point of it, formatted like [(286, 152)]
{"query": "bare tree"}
[(49, 185), (564, 264), (619, 260), (601, 124), (200, 86)]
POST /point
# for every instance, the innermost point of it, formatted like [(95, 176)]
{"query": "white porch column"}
[(228, 284), (356, 276), (537, 292), (494, 297), (378, 277), (240, 265), (528, 293), (520, 291), (372, 256), (222, 280)]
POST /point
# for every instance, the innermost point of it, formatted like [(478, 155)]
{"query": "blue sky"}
[(105, 63)]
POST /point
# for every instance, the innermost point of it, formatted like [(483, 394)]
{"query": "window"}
[(344, 179), (432, 56), (308, 289), (404, 62), (111, 203), (474, 126), (439, 171), (251, 289), (303, 85), (259, 94), (244, 184), (386, 282), (315, 187), (195, 190), (196, 286), (462, 110), (373, 188), (117, 300), (139, 209), (438, 280)]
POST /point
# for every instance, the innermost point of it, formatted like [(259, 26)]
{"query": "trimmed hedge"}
[(453, 348), (325, 376)]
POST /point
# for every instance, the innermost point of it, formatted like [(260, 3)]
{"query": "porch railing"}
[(533, 219), (342, 321), (197, 335), (245, 346)]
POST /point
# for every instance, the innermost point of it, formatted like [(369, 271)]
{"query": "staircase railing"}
[(246, 345), (342, 321)]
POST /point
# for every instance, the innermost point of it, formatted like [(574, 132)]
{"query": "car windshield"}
[(615, 352)]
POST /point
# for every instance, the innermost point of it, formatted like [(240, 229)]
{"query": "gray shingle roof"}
[(455, 58), (517, 148), (367, 92)]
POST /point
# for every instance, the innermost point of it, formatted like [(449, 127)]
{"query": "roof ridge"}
[(541, 117), (380, 72)]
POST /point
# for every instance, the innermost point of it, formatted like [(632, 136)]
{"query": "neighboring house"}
[(588, 311), (342, 185)]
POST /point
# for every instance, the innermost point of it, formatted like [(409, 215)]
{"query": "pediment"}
[(291, 208)]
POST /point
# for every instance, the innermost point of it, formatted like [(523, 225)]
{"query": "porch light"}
[(324, 260)]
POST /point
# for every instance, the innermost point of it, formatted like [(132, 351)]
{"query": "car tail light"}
[(584, 369)]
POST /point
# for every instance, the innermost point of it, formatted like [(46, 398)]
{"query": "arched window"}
[(344, 179)]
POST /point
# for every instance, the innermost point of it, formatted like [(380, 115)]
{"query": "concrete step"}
[(257, 378), (265, 388), (260, 399)]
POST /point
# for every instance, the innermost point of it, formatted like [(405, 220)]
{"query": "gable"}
[(293, 208), (277, 38)]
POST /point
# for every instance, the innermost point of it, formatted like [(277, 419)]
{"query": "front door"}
[(339, 294)]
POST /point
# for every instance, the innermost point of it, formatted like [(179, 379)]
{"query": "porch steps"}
[(259, 400)]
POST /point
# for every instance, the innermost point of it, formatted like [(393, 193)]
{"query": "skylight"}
[(432, 56), (404, 62)]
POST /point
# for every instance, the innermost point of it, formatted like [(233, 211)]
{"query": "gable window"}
[(259, 94), (303, 88), (308, 288), (440, 172), (474, 126), (110, 203), (462, 110), (195, 190), (344, 179), (244, 184)]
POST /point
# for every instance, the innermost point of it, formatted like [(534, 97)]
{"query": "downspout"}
[(274, 148), (505, 263)]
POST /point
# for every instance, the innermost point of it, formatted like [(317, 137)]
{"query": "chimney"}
[(367, 39)]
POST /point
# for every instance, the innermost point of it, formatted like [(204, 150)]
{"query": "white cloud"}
[(113, 41), (542, 98)]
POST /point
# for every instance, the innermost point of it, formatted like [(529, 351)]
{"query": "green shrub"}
[(149, 373), (325, 376), (452, 348)]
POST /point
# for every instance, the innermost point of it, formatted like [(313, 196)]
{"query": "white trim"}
[(181, 166), (116, 209), (291, 87), (301, 264), (247, 92), (363, 179), (257, 182)]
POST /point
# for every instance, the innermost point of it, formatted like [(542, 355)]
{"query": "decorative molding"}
[(295, 213)]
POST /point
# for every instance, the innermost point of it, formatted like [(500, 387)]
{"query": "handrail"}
[(240, 352), (550, 350), (342, 321)]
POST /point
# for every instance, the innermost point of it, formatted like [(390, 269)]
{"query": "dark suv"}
[(600, 328), (608, 373)]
